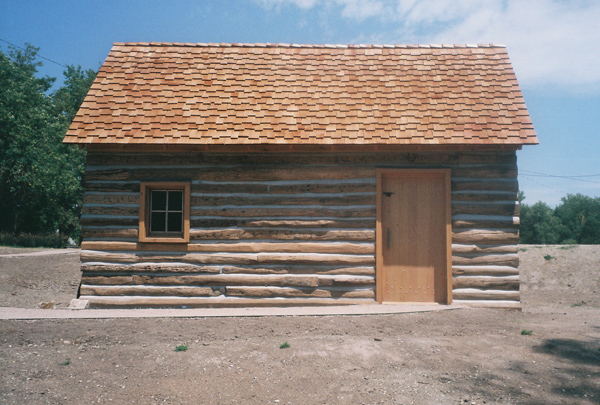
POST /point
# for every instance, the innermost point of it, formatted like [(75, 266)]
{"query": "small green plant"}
[(284, 345), (548, 257), (522, 249), (526, 332), (66, 362), (181, 348), (567, 247), (578, 304)]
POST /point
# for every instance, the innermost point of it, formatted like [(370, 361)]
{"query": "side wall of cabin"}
[(286, 228)]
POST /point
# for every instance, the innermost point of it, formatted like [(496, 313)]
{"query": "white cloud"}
[(550, 42), (413, 12), (360, 9), (303, 4)]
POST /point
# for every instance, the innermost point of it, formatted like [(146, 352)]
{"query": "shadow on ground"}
[(580, 376)]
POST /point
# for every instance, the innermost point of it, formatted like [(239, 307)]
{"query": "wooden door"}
[(413, 236)]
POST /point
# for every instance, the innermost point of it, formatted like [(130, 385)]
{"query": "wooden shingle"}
[(228, 94)]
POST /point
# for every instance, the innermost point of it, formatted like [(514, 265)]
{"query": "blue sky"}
[(553, 45)]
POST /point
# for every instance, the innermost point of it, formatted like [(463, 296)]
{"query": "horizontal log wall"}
[(286, 228)]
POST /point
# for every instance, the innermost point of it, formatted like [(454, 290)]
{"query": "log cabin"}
[(275, 174)]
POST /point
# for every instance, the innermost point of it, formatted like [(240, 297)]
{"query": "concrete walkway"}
[(67, 251), (28, 313)]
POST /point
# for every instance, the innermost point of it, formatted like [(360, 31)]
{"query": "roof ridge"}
[(315, 46)]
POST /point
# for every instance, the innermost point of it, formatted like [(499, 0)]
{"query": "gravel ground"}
[(467, 356)]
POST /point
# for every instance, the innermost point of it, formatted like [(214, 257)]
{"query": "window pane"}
[(158, 221), (175, 200), (158, 201), (175, 222)]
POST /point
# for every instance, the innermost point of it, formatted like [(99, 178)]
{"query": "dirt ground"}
[(466, 356)]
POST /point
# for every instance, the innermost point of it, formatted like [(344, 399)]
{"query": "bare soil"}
[(466, 356)]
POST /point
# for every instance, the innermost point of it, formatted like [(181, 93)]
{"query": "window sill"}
[(152, 239)]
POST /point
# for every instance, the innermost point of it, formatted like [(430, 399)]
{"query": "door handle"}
[(388, 238)]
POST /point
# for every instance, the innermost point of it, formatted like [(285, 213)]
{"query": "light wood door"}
[(413, 236)]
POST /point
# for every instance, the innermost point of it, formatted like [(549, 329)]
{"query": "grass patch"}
[(66, 362), (51, 240), (284, 345), (523, 250), (578, 304), (567, 247), (526, 332), (181, 348), (548, 257)]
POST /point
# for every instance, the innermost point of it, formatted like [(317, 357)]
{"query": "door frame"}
[(380, 173)]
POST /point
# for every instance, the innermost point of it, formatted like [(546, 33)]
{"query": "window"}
[(164, 212)]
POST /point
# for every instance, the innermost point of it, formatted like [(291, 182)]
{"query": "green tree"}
[(68, 98), (580, 216), (40, 178), (539, 225)]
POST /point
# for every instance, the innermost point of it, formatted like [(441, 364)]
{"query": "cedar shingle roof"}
[(167, 93)]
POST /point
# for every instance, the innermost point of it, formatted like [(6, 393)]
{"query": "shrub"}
[(52, 240)]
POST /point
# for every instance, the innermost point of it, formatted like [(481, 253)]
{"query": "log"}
[(485, 236), (477, 248), (488, 304), (285, 172), (501, 209), (103, 280), (105, 175), (149, 290), (283, 199), (113, 187), (131, 210), (91, 268), (107, 268), (292, 247), (491, 270), (270, 292), (484, 295), (365, 186), (282, 234), (486, 171), (347, 281), (295, 148), (135, 174), (189, 258), (87, 220), (302, 269), (244, 247), (211, 302), (230, 280), (307, 172), (228, 258), (119, 246), (487, 184), (102, 158), (509, 259), (104, 232), (310, 258), (360, 223), (511, 223), (487, 157), (361, 211), (111, 198), (486, 196), (486, 282)]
